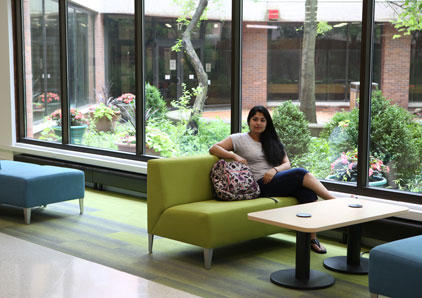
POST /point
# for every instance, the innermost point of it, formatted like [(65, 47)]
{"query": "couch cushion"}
[(214, 223), (29, 185)]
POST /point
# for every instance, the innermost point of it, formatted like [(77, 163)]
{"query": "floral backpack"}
[(233, 181)]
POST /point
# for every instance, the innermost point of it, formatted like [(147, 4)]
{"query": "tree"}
[(409, 16), (199, 10), (307, 77)]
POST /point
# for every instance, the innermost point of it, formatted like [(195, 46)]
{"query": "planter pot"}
[(126, 147), (132, 148), (104, 124), (382, 181), (76, 133)]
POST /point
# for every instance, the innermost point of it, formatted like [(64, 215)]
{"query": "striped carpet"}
[(112, 232)]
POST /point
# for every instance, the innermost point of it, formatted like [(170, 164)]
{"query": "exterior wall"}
[(99, 56), (395, 66), (254, 67), (28, 67)]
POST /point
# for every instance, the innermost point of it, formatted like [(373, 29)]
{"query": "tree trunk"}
[(307, 79), (202, 76)]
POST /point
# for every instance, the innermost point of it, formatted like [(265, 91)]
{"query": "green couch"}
[(181, 206)]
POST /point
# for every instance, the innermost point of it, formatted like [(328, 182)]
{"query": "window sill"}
[(80, 157), (415, 210)]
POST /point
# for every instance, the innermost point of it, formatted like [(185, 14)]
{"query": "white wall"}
[(7, 115), (253, 10)]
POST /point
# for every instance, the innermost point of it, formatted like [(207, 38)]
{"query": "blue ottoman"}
[(29, 185), (395, 268)]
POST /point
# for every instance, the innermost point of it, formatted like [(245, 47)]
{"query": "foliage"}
[(101, 139), (292, 128), (77, 118), (323, 28), (345, 167), (409, 19), (155, 103), (413, 185), (48, 135), (317, 160), (395, 137), (187, 8), (108, 111), (37, 105)]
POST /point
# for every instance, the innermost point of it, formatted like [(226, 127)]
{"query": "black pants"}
[(288, 183)]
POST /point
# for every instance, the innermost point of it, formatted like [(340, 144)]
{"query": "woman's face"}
[(258, 123)]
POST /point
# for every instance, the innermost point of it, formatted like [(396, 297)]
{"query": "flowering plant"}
[(128, 137), (76, 117), (345, 167), (37, 105), (49, 97), (126, 98)]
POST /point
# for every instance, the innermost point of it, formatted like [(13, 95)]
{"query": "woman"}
[(263, 151)]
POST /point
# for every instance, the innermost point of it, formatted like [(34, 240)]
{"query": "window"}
[(143, 92)]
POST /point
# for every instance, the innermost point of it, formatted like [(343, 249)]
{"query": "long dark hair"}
[(271, 144)]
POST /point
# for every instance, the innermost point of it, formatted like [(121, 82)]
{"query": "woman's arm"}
[(285, 164), (224, 149)]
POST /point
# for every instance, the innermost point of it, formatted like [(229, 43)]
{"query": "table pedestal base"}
[(287, 278), (340, 264)]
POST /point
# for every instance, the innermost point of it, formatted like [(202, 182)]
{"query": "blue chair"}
[(395, 268)]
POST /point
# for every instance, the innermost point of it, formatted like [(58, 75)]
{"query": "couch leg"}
[(208, 258), (150, 241), (81, 206), (373, 295), (27, 215)]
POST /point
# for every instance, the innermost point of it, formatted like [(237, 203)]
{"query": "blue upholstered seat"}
[(29, 185), (395, 268)]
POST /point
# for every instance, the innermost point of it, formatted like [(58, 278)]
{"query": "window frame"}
[(361, 187)]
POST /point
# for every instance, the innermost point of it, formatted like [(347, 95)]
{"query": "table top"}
[(326, 215)]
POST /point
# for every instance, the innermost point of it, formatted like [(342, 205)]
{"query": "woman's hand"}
[(269, 175), (239, 158)]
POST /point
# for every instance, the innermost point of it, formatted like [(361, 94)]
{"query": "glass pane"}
[(42, 68), (396, 124), (101, 53), (307, 74), (186, 77)]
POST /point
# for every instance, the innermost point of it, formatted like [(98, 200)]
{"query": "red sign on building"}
[(272, 14)]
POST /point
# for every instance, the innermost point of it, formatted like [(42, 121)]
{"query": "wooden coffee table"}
[(325, 215)]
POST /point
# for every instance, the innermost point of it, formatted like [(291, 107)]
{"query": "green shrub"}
[(173, 139), (317, 160), (394, 136), (292, 128), (155, 103)]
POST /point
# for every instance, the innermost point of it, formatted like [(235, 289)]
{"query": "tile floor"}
[(28, 270)]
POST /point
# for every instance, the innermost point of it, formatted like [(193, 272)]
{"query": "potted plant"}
[(344, 169), (38, 106), (50, 100), (78, 124), (127, 141), (105, 116)]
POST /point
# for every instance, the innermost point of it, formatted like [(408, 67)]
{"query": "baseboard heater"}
[(99, 176)]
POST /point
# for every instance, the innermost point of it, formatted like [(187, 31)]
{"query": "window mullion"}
[(63, 17), (365, 92), (236, 67)]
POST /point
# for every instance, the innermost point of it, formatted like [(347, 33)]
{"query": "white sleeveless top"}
[(251, 150)]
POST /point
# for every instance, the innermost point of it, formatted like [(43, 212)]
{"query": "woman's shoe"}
[(317, 247)]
